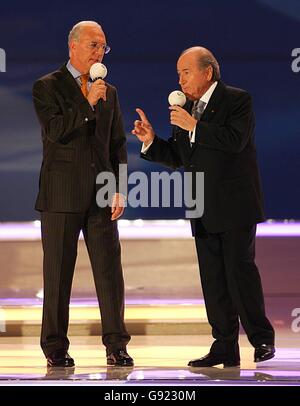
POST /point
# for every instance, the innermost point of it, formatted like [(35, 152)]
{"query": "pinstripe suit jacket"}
[(78, 142)]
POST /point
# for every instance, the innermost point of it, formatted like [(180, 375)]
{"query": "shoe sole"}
[(232, 365), (270, 356), (60, 366), (225, 364), (113, 364)]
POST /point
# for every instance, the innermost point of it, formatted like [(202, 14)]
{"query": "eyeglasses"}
[(104, 47)]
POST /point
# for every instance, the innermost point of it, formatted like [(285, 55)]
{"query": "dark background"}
[(252, 40)]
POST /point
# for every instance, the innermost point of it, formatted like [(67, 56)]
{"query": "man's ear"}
[(72, 45), (209, 73)]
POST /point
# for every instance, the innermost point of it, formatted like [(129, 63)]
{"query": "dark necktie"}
[(197, 112), (198, 109)]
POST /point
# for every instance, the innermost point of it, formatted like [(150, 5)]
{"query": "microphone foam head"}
[(177, 98), (98, 71)]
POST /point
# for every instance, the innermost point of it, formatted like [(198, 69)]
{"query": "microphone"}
[(98, 71), (177, 98)]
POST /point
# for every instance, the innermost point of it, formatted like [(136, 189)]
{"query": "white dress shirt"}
[(205, 98)]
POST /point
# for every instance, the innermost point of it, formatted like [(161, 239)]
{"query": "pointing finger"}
[(142, 115)]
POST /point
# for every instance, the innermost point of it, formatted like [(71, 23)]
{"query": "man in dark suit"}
[(83, 135), (213, 134)]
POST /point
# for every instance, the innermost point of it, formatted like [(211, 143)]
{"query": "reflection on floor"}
[(159, 360), (164, 311)]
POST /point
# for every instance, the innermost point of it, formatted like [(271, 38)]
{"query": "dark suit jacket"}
[(78, 142), (224, 150)]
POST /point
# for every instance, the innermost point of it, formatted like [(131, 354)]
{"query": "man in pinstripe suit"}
[(83, 135)]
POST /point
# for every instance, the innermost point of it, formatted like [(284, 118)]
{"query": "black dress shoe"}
[(264, 352), (211, 360), (60, 358), (119, 358)]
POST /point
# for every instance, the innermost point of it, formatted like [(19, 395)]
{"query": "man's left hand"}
[(182, 118), (117, 206)]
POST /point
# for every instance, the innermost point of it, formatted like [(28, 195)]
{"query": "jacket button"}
[(86, 119), (93, 165)]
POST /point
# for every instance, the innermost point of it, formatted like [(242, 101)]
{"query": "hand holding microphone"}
[(179, 116), (97, 91)]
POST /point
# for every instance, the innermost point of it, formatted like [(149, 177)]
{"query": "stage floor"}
[(164, 311), (159, 360)]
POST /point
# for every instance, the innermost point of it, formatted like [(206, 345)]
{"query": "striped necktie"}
[(198, 109), (84, 80)]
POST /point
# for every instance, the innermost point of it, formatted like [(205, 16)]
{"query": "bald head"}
[(197, 69), (78, 28), (205, 58)]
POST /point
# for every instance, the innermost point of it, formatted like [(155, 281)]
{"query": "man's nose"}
[(98, 51)]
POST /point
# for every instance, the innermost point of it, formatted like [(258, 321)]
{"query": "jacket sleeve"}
[(234, 134), (164, 152), (118, 145), (57, 119)]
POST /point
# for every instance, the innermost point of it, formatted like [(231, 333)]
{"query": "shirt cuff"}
[(145, 148), (193, 135)]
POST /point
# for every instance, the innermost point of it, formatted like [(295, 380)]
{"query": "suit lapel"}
[(210, 110), (212, 107), (182, 136), (70, 85), (213, 103)]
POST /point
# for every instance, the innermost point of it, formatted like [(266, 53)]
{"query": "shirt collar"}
[(74, 72), (207, 95)]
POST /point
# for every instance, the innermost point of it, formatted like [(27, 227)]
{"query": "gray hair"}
[(206, 59), (74, 34)]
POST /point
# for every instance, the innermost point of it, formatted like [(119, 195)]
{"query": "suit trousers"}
[(60, 233), (232, 288)]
